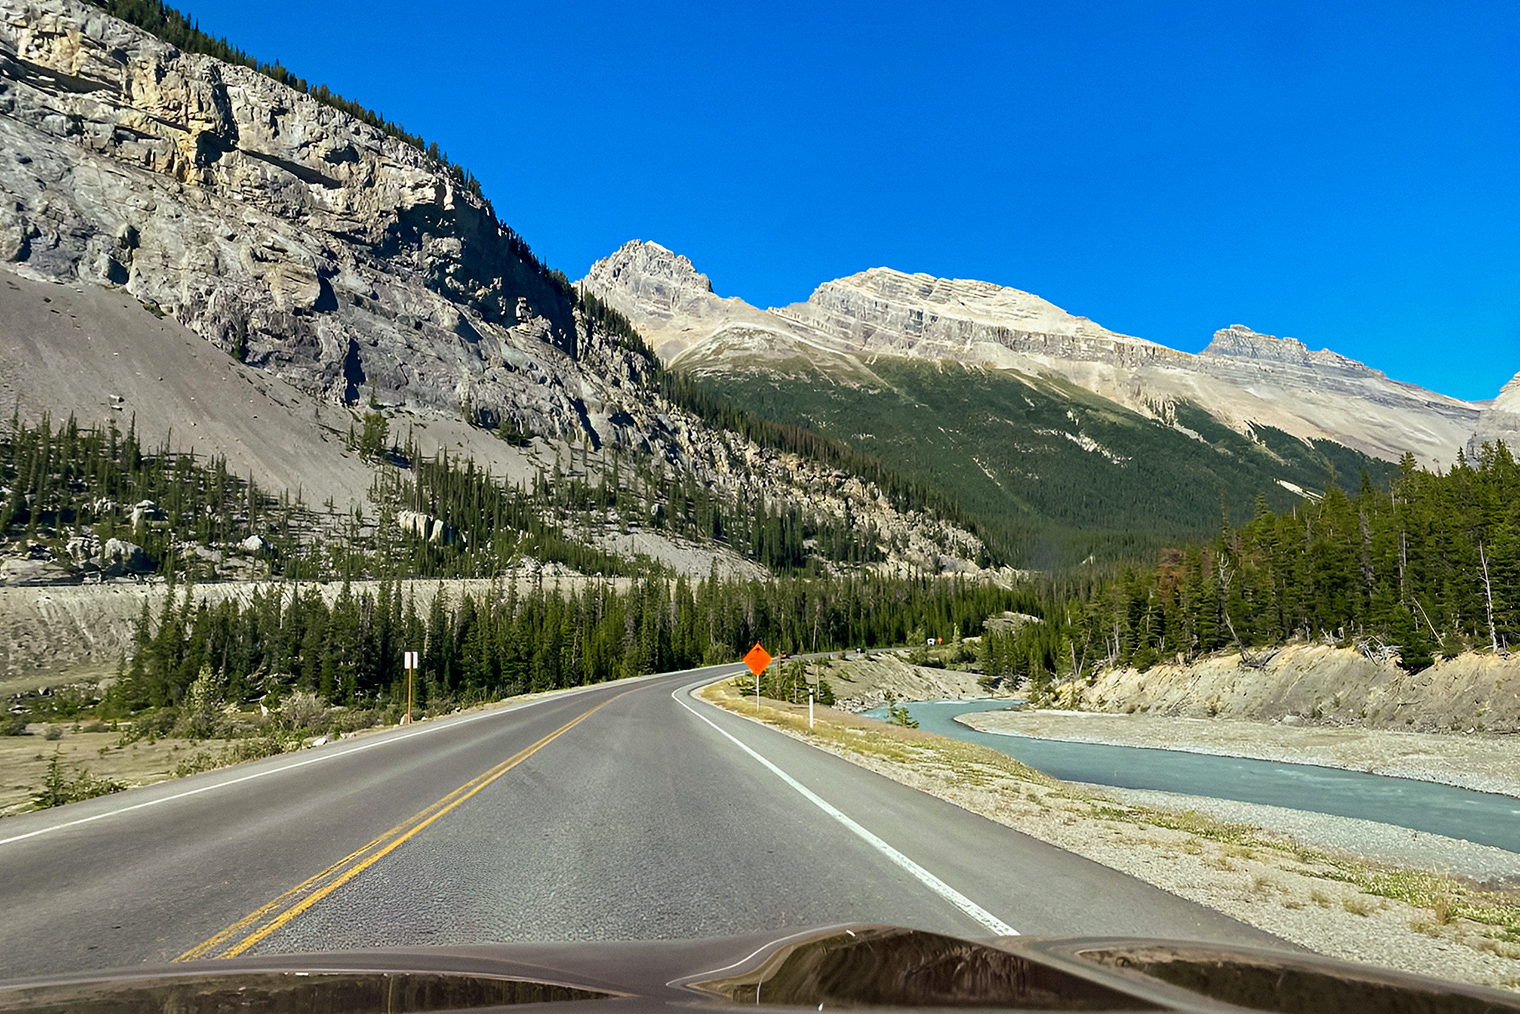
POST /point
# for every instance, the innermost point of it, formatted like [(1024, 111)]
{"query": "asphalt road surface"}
[(624, 811)]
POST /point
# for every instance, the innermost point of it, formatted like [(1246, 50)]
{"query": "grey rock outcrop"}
[(674, 303), (119, 556), (1500, 421), (287, 232), (346, 263)]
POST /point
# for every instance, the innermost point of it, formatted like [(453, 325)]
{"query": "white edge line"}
[(929, 880), (381, 741)]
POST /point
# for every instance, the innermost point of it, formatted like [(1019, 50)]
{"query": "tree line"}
[(512, 637), (1428, 567), (429, 517)]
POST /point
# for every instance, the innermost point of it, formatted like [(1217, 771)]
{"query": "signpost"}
[(757, 659), (411, 666)]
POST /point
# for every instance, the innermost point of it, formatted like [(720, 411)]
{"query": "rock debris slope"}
[(1243, 378)]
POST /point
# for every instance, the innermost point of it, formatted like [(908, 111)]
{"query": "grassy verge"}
[(54, 763), (1340, 905)]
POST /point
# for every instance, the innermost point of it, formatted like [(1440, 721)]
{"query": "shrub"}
[(52, 733), (12, 724), (202, 717), (60, 787), (1358, 905), (151, 725), (303, 710)]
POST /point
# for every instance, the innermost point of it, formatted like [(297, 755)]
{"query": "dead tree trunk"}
[(1488, 594)]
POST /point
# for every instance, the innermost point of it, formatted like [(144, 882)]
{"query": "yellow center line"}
[(304, 895)]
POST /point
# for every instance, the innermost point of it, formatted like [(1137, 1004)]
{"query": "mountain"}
[(1243, 379), (226, 264), (1037, 422)]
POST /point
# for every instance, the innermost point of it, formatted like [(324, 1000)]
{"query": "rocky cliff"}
[(1243, 378), (1499, 421), (286, 232), (887, 311)]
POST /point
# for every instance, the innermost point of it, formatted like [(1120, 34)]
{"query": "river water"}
[(1484, 817)]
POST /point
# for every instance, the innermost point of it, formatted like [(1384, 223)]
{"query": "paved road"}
[(622, 811)]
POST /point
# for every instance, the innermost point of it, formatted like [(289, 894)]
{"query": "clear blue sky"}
[(1345, 173)]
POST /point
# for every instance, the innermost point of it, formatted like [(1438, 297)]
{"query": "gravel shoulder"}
[(1486, 763), (1390, 914)]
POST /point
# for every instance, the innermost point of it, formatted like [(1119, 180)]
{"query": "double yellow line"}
[(254, 927)]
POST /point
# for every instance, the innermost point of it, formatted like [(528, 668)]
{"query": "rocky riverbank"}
[(1487, 763)]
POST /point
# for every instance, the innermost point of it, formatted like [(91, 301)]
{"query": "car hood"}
[(855, 967)]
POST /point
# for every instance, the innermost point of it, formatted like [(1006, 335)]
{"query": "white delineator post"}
[(810, 708)]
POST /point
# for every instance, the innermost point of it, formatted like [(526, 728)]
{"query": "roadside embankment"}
[(1314, 684), (1346, 906)]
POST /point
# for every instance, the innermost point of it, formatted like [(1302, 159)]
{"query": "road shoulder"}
[(1339, 905)]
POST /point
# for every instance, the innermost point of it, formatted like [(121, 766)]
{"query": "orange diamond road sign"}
[(757, 659)]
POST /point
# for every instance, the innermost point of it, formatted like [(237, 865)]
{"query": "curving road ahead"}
[(620, 811)]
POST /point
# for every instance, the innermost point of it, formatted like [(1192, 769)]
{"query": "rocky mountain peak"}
[(1238, 342), (1244, 379), (651, 271), (1500, 420), (667, 298), (962, 299)]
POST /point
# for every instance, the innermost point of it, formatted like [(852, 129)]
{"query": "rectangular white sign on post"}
[(411, 660)]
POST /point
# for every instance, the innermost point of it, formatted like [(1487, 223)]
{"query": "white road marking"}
[(325, 756), (929, 880)]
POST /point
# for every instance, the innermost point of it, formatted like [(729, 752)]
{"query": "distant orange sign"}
[(757, 659)]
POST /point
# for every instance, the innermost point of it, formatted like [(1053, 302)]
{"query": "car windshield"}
[(372, 586)]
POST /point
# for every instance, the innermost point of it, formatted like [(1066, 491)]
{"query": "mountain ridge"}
[(1243, 378)]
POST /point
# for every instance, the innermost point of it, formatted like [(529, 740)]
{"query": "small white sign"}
[(411, 660)]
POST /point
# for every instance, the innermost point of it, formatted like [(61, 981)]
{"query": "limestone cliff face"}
[(1241, 356), (887, 311), (1499, 421), (286, 232), (1244, 379)]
